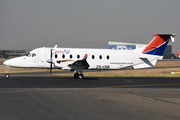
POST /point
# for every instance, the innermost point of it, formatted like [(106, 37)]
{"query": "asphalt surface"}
[(88, 82), (92, 98)]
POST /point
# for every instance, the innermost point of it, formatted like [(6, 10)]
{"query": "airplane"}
[(78, 59), (177, 53)]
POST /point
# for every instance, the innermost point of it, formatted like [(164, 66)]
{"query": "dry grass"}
[(164, 72), (2, 60), (156, 72), (167, 63)]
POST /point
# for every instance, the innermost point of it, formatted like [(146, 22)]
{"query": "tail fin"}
[(177, 53), (158, 44)]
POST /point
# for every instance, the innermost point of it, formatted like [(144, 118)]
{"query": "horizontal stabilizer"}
[(150, 57), (172, 39), (146, 64)]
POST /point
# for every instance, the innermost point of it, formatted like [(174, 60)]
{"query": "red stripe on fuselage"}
[(85, 56)]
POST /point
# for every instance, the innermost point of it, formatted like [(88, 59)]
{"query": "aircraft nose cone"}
[(6, 63), (14, 62)]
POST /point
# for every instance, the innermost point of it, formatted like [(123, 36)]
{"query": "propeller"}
[(51, 62)]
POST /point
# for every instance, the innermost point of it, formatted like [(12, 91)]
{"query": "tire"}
[(76, 75), (81, 76), (7, 76)]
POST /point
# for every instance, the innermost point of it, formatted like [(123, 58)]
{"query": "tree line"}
[(3, 54)]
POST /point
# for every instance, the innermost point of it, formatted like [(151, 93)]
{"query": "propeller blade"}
[(51, 63), (51, 53), (50, 68)]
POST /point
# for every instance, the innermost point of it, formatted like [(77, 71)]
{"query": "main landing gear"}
[(7, 74), (77, 75)]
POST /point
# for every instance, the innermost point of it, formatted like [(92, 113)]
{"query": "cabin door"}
[(41, 57)]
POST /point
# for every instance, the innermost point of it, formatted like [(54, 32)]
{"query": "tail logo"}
[(157, 44)]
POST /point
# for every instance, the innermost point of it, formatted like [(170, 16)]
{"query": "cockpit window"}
[(33, 55), (28, 55)]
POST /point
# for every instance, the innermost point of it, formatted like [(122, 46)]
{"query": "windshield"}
[(28, 55)]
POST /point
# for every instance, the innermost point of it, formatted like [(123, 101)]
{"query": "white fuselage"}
[(77, 59), (96, 58)]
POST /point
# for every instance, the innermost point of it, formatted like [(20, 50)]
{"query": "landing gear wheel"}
[(7, 76), (76, 75), (80, 76)]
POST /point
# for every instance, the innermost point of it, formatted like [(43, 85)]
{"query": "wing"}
[(81, 64), (71, 64)]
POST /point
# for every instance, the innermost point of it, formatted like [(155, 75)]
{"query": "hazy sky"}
[(28, 24)]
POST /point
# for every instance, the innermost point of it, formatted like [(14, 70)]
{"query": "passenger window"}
[(70, 56), (108, 57), (33, 55), (56, 55), (100, 57), (63, 56), (93, 56), (78, 56)]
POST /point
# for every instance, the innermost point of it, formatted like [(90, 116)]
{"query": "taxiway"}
[(92, 98)]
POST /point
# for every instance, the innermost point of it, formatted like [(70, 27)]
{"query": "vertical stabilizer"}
[(158, 44)]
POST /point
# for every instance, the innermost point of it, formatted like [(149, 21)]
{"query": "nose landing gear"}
[(7, 72), (7, 76)]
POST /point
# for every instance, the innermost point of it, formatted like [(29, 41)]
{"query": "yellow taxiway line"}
[(175, 73)]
